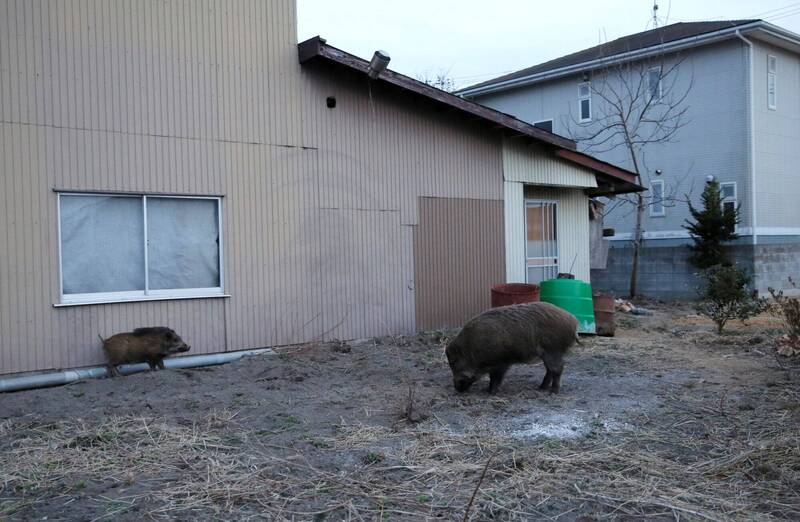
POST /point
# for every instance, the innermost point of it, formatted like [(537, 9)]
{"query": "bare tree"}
[(633, 106), (440, 80)]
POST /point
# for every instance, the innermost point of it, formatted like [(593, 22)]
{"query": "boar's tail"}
[(101, 338)]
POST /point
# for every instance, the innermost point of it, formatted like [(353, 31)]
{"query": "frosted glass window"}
[(772, 69), (728, 195), (130, 247), (657, 198), (182, 243), (585, 102), (102, 240), (654, 82)]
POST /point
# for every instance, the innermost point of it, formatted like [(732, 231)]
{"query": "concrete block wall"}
[(664, 272), (774, 264)]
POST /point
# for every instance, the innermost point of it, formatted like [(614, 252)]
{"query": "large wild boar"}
[(148, 345), (494, 340)]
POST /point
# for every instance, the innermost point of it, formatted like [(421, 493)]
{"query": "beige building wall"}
[(320, 206)]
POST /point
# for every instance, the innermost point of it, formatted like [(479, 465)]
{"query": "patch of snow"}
[(560, 426)]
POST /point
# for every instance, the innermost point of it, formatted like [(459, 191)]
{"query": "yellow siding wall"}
[(536, 165), (514, 211), (207, 97)]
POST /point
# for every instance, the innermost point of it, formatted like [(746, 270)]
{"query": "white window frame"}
[(552, 123), (147, 294), (556, 255), (653, 213), (772, 78), (734, 198), (581, 99), (660, 83)]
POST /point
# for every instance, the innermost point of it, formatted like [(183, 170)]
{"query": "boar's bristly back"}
[(150, 330)]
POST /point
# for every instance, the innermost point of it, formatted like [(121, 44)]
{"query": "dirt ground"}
[(666, 420)]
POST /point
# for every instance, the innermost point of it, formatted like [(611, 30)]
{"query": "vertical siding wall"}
[(458, 253), (514, 212), (207, 97), (536, 165), (572, 227)]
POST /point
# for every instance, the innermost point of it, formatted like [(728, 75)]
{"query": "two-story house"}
[(737, 86)]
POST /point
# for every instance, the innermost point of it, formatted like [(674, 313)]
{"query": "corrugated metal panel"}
[(377, 150), (207, 97), (458, 256), (533, 164), (365, 284), (514, 210), (572, 222)]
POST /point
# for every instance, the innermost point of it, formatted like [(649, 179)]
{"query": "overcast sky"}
[(474, 40)]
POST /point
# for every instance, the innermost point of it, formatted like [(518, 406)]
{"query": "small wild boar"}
[(495, 339), (148, 345)]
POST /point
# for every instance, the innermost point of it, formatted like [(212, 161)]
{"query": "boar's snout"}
[(174, 343), (462, 383)]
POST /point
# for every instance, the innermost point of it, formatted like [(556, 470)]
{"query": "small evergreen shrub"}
[(713, 225), (726, 295)]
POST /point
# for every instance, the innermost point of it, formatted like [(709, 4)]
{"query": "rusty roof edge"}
[(317, 47), (621, 180)]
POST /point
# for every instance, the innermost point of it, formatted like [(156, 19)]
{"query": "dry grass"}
[(703, 462)]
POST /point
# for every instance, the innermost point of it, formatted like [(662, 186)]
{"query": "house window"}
[(657, 198), (134, 247), (772, 67), (728, 196), (541, 242), (585, 102), (544, 125), (654, 83)]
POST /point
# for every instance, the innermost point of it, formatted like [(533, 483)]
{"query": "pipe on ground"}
[(27, 382)]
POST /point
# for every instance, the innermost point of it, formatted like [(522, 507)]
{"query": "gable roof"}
[(626, 44), (611, 179)]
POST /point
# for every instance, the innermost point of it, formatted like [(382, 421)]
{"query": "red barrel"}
[(514, 293), (604, 314)]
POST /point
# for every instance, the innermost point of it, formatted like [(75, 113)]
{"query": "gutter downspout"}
[(27, 382), (751, 100)]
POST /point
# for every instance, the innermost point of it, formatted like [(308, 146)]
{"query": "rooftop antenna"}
[(655, 14)]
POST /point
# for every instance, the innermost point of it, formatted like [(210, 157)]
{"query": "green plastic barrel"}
[(575, 297)]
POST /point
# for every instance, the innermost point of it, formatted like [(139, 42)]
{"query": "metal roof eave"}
[(677, 45)]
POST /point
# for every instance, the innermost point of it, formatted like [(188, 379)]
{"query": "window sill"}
[(139, 299)]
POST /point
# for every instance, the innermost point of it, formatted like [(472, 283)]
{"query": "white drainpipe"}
[(44, 380), (751, 100)]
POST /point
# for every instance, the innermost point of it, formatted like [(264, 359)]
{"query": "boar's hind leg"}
[(496, 377), (112, 371), (547, 381), (552, 379)]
